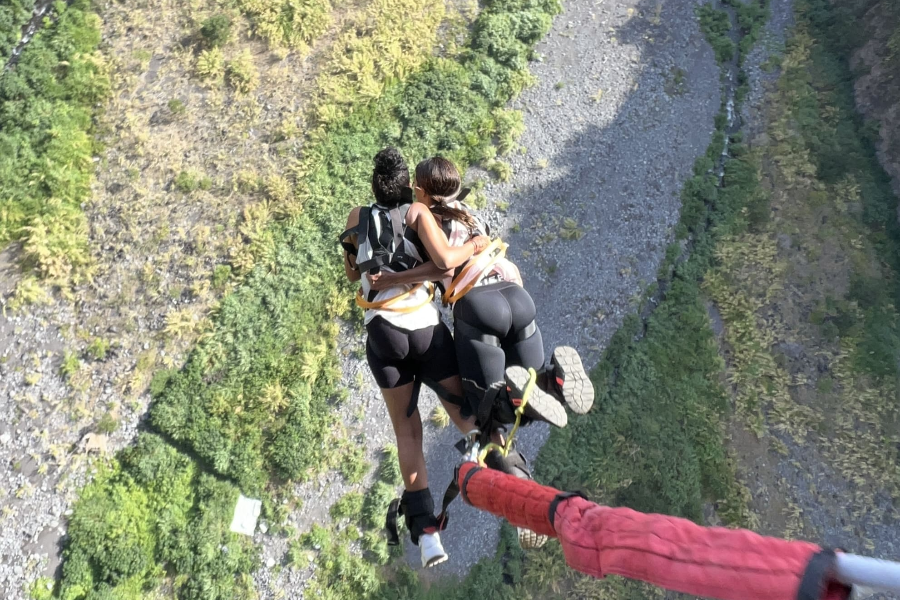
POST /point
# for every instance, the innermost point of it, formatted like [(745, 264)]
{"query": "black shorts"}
[(397, 356)]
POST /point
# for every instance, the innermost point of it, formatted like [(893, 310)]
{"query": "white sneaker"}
[(432, 550)]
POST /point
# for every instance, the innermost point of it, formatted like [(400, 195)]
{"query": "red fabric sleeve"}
[(677, 554), (522, 502)]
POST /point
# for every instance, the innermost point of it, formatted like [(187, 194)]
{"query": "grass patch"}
[(46, 107), (289, 23), (152, 510)]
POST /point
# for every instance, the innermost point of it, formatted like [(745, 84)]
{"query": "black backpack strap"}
[(450, 495), (343, 240), (398, 225)]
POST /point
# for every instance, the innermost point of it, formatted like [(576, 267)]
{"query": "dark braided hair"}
[(439, 179), (390, 177)]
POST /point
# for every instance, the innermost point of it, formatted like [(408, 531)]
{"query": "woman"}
[(496, 336), (406, 341)]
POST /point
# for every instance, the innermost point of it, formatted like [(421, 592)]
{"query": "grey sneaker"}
[(571, 380), (541, 406)]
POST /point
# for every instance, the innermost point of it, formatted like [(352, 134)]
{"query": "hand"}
[(380, 281), (480, 242)]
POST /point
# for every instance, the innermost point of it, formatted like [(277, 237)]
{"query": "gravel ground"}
[(626, 94)]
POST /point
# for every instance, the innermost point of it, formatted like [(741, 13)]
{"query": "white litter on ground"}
[(246, 513)]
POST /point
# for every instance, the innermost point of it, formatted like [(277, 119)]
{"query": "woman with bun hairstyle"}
[(407, 343), (496, 336)]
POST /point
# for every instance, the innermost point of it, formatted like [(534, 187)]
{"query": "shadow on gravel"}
[(625, 102)]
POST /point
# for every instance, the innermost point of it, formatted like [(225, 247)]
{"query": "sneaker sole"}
[(541, 405), (577, 389), (436, 561), (530, 540)]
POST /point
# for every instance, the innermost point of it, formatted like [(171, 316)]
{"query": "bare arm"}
[(350, 269), (439, 250), (424, 272)]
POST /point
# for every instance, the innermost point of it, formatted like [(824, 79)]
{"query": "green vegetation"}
[(14, 14), (241, 73), (715, 23), (835, 206), (98, 348), (290, 23), (190, 181), (211, 65), (216, 30), (716, 26), (153, 508), (46, 105)]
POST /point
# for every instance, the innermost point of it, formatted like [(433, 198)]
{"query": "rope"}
[(520, 410)]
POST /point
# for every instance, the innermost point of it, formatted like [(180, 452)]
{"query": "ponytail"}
[(455, 214)]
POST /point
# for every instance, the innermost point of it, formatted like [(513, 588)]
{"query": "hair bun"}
[(388, 162)]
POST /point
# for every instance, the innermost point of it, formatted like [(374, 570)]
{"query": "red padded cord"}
[(673, 553), (522, 502)]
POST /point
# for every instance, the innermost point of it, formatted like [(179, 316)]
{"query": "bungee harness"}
[(388, 303), (473, 272)]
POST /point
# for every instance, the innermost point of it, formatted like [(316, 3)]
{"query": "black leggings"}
[(397, 356), (495, 329)]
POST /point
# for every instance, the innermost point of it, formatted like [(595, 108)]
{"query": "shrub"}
[(292, 23), (176, 106), (107, 424), (241, 73), (70, 364), (191, 181), (221, 275), (216, 30), (348, 507), (98, 348), (211, 64), (716, 26)]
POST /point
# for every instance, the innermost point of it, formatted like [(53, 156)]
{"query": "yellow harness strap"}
[(388, 303), (481, 265), (520, 410)]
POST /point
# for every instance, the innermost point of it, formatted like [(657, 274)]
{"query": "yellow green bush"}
[(241, 73), (292, 23)]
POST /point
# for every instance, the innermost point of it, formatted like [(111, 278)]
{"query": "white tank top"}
[(427, 316)]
